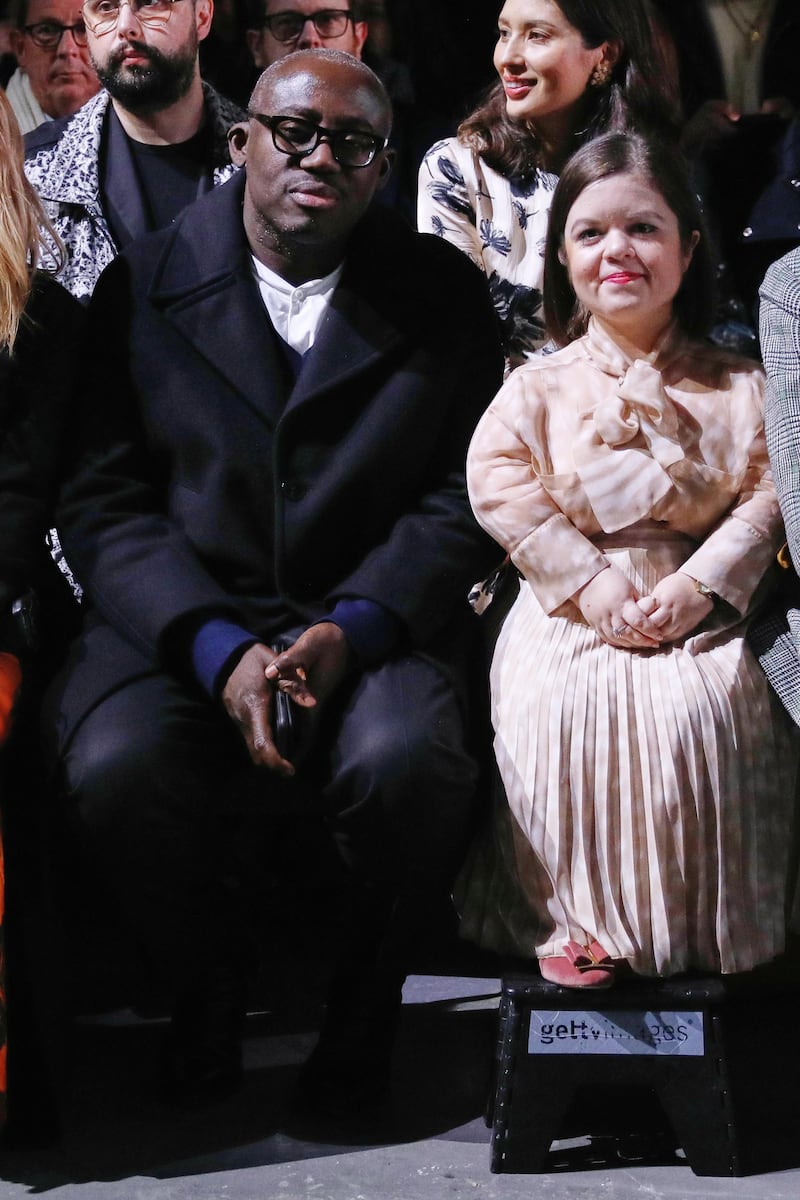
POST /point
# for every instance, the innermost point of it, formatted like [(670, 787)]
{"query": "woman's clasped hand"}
[(618, 614), (609, 604)]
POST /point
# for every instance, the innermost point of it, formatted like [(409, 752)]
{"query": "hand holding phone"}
[(283, 728)]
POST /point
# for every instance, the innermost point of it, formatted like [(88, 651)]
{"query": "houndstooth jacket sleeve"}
[(775, 636)]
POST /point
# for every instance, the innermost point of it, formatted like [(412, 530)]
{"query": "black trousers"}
[(161, 780)]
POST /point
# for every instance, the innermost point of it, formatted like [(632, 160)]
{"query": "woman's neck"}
[(556, 136), (636, 340)]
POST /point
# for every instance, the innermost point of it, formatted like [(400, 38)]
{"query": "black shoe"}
[(349, 1071), (193, 1079), (201, 1061)]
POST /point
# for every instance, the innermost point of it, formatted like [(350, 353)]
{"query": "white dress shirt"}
[(296, 312)]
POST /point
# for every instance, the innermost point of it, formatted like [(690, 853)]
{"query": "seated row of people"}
[(728, 68), (263, 494), (55, 71)]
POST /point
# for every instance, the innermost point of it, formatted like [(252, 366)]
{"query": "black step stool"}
[(721, 1056)]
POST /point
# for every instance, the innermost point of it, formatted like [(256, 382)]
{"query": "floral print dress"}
[(498, 222)]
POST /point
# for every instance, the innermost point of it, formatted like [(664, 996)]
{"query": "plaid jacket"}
[(775, 635), (62, 162)]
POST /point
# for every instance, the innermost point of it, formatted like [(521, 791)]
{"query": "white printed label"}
[(616, 1032)]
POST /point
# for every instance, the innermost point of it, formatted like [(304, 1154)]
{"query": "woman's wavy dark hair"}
[(640, 94), (662, 164)]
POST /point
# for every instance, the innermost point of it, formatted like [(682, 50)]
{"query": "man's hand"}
[(714, 122), (249, 701), (779, 106), (311, 669), (308, 672)]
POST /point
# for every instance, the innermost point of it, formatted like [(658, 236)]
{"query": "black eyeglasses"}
[(328, 22), (293, 135), (47, 35)]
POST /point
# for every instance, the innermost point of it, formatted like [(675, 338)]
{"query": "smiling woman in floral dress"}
[(568, 71)]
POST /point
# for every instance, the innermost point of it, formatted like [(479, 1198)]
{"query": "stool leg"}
[(698, 1103), (541, 1099), (502, 1016)]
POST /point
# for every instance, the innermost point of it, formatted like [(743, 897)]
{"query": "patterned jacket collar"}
[(72, 174)]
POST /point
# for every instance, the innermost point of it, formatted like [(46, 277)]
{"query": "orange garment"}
[(10, 680)]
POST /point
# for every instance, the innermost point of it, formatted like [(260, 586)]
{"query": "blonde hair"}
[(23, 228)]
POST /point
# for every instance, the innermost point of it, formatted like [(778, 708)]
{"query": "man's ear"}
[(238, 136), (203, 16), (387, 163), (17, 39), (360, 31), (254, 45)]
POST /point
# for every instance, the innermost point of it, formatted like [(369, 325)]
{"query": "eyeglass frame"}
[(347, 13), (62, 29), (331, 136), (136, 7)]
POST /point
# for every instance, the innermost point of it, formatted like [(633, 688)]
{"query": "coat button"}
[(747, 232), (294, 489), (795, 184)]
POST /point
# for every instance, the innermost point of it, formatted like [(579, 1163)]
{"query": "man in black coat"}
[(281, 391)]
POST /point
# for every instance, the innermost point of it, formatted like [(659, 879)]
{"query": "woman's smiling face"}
[(542, 61), (625, 256)]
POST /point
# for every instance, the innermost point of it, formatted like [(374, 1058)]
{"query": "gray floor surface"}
[(430, 1142)]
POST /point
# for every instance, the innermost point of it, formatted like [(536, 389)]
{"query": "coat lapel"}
[(123, 195), (353, 337), (206, 289)]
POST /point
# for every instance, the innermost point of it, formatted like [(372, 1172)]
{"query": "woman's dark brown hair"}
[(663, 166), (639, 95)]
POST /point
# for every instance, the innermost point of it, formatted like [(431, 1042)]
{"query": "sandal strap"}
[(588, 957)]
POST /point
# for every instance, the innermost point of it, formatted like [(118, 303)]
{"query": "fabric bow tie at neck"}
[(641, 404), (623, 483)]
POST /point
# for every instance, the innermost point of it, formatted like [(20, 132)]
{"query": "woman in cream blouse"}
[(648, 769)]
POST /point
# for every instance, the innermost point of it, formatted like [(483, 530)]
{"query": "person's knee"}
[(411, 751), (105, 769)]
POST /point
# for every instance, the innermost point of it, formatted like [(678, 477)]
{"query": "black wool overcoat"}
[(207, 480)]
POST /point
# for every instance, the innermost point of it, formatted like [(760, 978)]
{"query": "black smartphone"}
[(283, 731)]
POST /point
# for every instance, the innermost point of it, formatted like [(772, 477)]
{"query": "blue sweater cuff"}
[(214, 645), (372, 631)]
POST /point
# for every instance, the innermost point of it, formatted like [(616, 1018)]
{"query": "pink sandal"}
[(587, 966)]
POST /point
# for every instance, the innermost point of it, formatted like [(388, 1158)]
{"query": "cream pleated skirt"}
[(647, 797)]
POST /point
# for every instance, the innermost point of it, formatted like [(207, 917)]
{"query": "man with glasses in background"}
[(279, 27), (151, 142), (54, 74), (278, 404)]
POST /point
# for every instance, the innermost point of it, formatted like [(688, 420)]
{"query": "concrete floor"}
[(430, 1143)]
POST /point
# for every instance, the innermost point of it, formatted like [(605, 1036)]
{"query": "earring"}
[(600, 75)]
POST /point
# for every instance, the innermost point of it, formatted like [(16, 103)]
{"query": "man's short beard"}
[(165, 79)]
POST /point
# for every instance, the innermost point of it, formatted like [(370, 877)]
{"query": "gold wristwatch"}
[(705, 590)]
